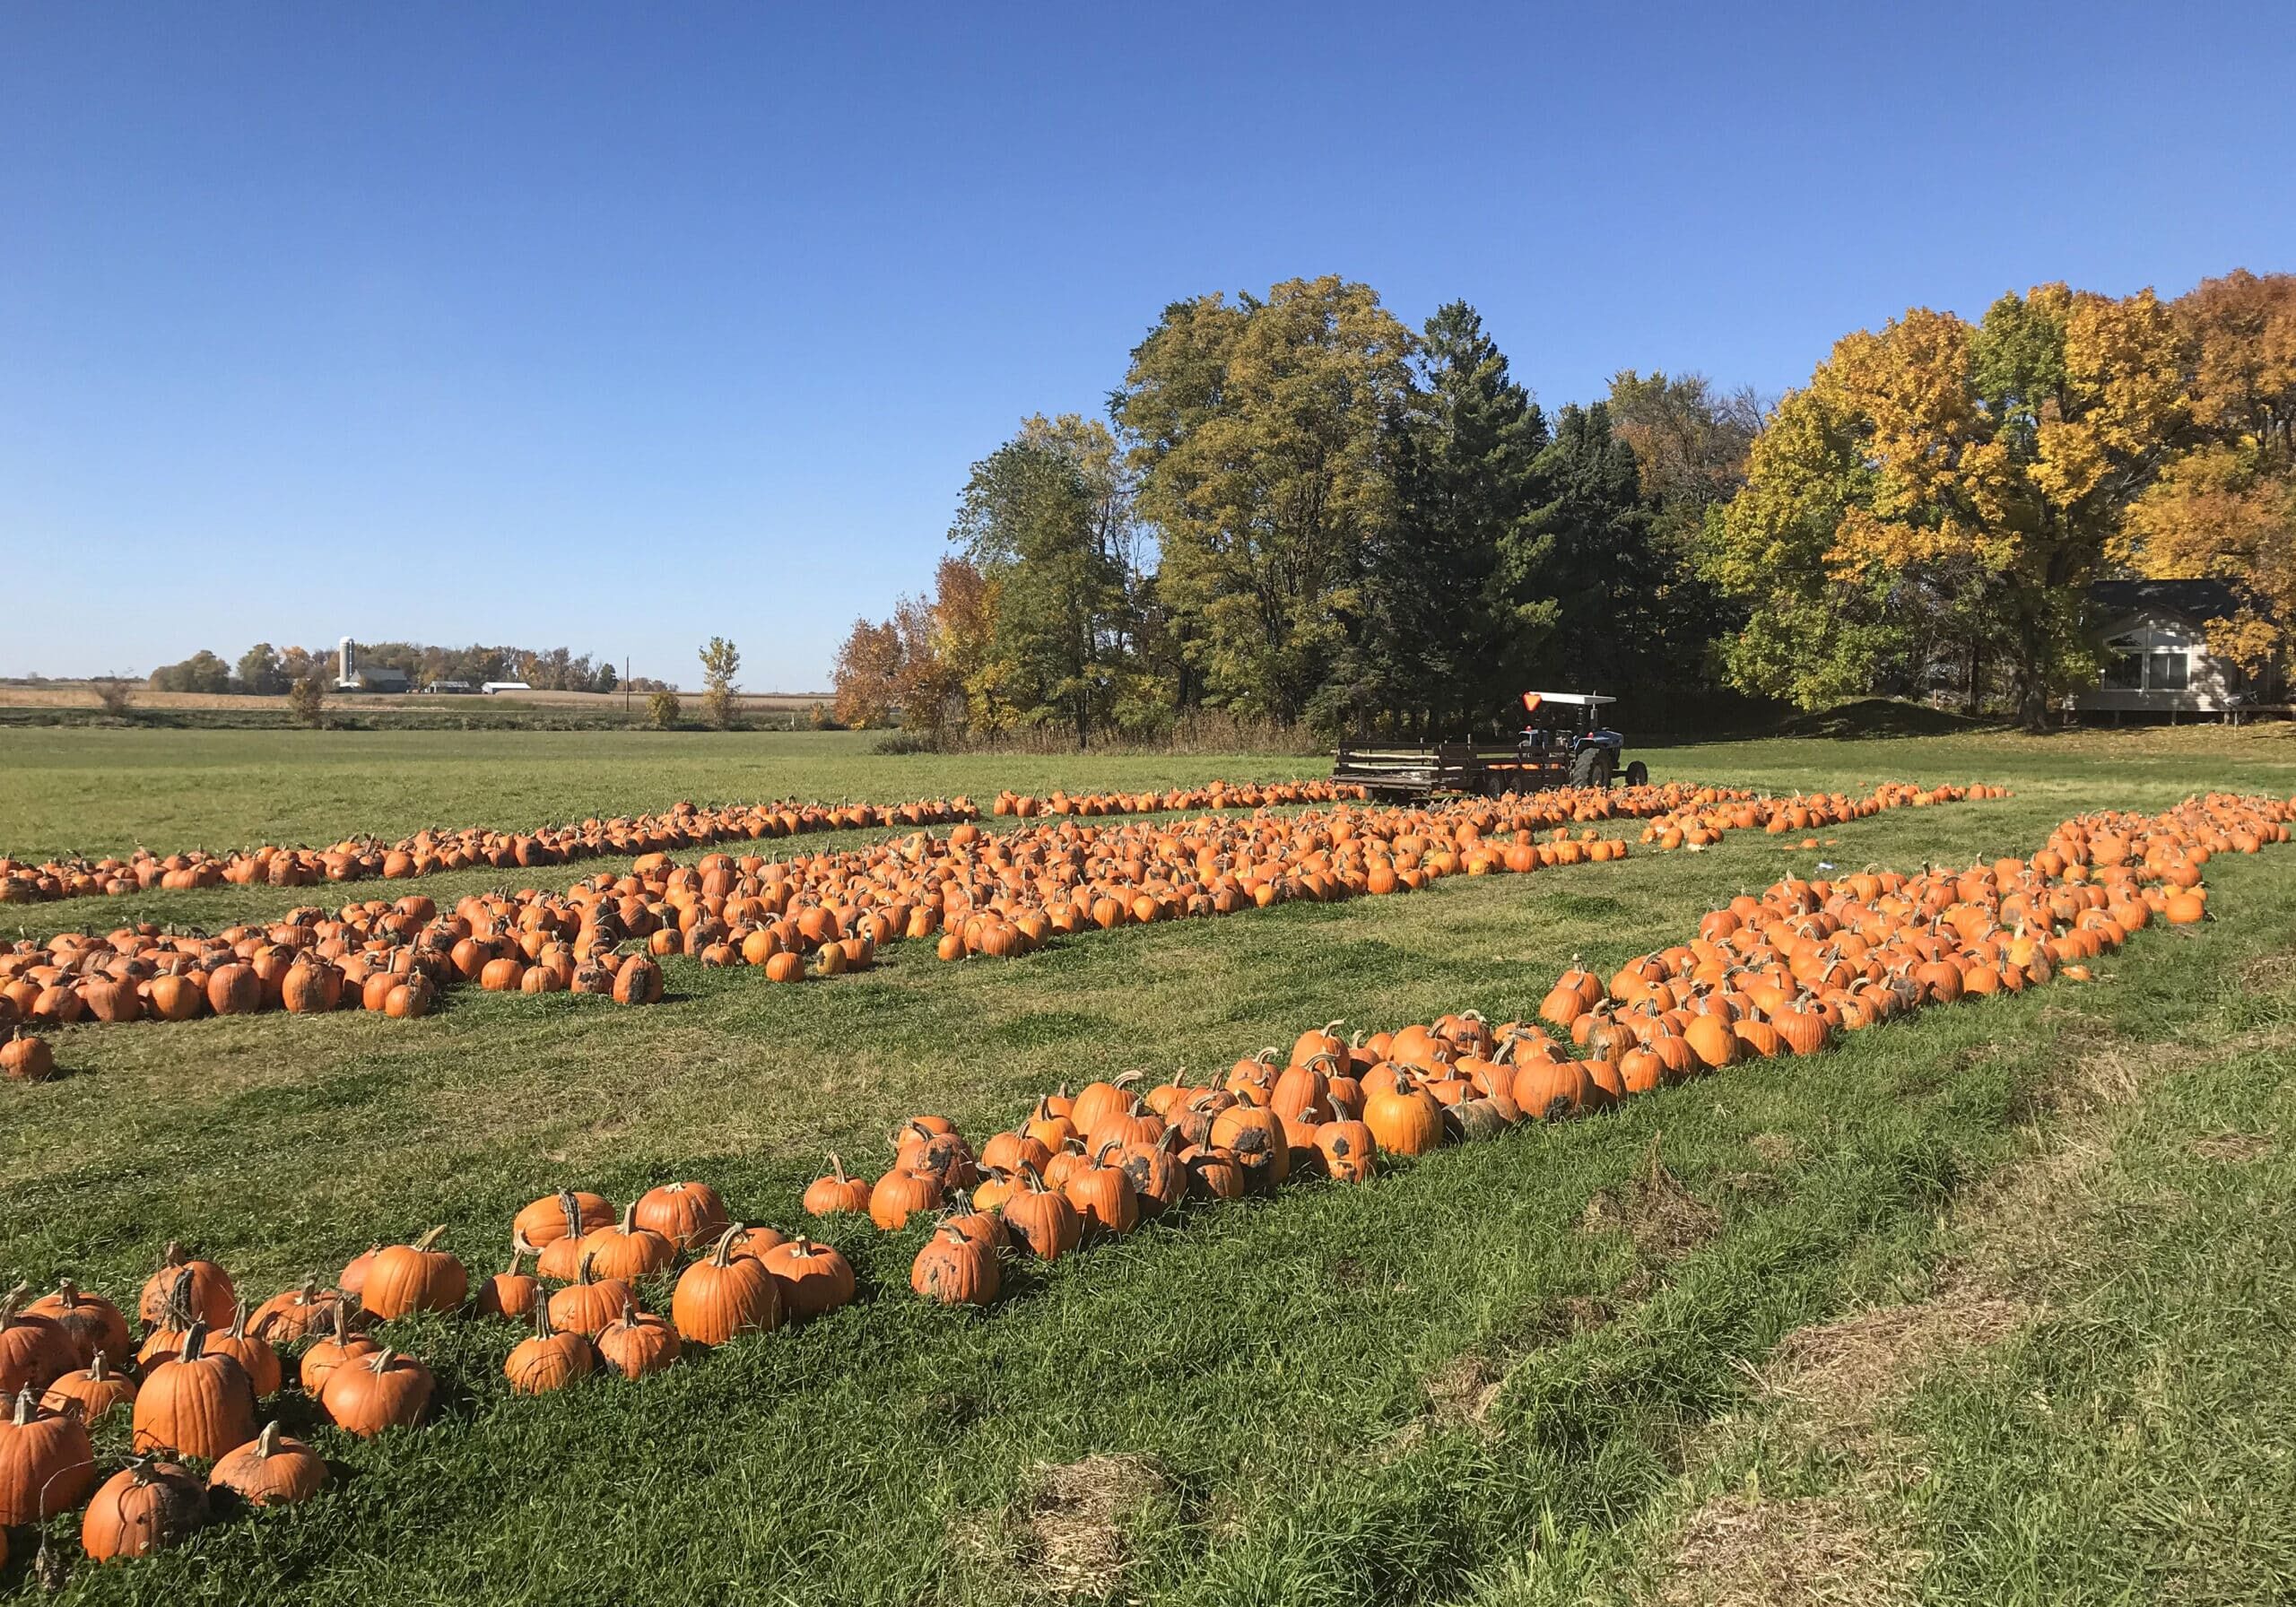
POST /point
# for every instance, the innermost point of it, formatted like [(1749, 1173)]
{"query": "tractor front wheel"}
[(1638, 773)]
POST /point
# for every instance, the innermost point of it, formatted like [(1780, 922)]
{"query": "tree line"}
[(1299, 510), (265, 671)]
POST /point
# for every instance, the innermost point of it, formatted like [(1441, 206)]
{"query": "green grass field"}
[(1456, 1385)]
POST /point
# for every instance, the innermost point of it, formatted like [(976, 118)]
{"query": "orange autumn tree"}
[(1947, 486), (2223, 506)]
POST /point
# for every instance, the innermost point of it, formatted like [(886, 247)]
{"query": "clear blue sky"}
[(622, 326)]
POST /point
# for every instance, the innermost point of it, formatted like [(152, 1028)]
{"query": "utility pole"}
[(625, 689)]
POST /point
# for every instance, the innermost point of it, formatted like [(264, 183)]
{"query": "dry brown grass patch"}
[(1842, 1373), (1655, 1209), (2233, 1148), (1773, 1149), (1741, 1551), (1067, 1533)]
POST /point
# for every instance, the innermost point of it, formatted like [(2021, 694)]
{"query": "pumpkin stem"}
[(24, 1405), (195, 1342), (431, 1237), (836, 1168), (722, 1255), (266, 1443)]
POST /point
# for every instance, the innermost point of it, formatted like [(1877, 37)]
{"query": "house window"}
[(2125, 672), (2166, 671)]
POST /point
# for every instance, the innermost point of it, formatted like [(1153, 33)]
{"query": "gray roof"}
[(2194, 599)]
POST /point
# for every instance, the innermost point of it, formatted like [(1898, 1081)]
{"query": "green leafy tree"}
[(721, 661), (1034, 520), (1590, 549), (258, 672), (1258, 430), (607, 677), (663, 709), (203, 671), (1450, 626)]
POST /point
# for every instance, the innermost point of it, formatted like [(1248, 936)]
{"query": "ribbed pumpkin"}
[(722, 1295), (687, 1214), (590, 1303), (1349, 1153), (545, 1360), (1103, 1196), (569, 1213), (143, 1508), (901, 1194), (414, 1277), (1404, 1118), (371, 1394), (46, 1465), (953, 1270), (95, 1393), (271, 1471), (811, 1279), (254, 1355), (1252, 1135), (626, 1250), (341, 1346), (209, 1296), (638, 1344), (512, 1292), (826, 1196), (35, 1351), (196, 1404)]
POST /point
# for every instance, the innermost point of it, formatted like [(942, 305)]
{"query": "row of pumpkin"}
[(1782, 974), (682, 826), (977, 893)]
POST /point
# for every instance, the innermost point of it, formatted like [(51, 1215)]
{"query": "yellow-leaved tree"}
[(1941, 491), (2223, 506)]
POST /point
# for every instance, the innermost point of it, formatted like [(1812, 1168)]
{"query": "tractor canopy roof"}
[(1568, 699)]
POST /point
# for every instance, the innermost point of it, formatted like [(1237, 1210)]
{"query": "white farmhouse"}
[(2154, 636)]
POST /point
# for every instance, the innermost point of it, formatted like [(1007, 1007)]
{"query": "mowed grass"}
[(107, 790), (1282, 1371)]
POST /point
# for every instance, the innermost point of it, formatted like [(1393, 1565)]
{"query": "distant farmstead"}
[(492, 687), (2153, 635), (352, 676)]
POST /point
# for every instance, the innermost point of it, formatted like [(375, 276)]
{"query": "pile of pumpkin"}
[(1211, 794), (393, 958), (1007, 893), (1782, 974), (978, 893), (1702, 822), (198, 1383), (682, 826)]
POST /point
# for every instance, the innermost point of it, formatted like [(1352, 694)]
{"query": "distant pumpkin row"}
[(977, 893), (682, 826)]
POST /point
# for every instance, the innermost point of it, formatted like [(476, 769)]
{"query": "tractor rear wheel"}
[(1638, 773), (1590, 766)]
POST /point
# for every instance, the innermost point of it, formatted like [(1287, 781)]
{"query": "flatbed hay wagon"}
[(1562, 745)]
